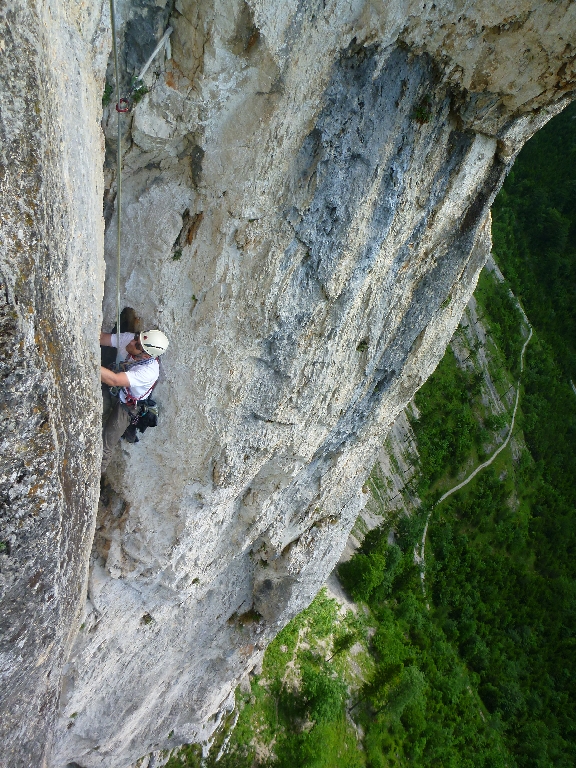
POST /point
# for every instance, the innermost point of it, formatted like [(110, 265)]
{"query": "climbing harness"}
[(143, 410), (133, 401), (127, 365)]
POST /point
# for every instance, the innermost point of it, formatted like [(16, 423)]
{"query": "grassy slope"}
[(495, 650), (295, 712), (446, 722)]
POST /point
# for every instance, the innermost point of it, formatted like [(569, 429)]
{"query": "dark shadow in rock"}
[(129, 323), (143, 31)]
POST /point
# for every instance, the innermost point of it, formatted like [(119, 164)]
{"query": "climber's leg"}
[(114, 428), (107, 403)]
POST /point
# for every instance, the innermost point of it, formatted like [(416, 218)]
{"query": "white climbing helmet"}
[(154, 342)]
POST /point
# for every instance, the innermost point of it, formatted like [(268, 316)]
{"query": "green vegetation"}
[(455, 426), (486, 676), (420, 706), (447, 429), (294, 714), (534, 232), (107, 95), (501, 320), (138, 94), (137, 90), (189, 756), (422, 113)]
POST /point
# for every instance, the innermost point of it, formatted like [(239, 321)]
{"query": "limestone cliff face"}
[(306, 193), (52, 59)]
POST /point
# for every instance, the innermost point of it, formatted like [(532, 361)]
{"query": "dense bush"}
[(447, 429)]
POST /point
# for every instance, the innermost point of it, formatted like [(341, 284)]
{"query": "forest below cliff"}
[(478, 668)]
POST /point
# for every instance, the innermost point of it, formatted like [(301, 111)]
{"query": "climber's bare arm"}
[(113, 379), (105, 339)]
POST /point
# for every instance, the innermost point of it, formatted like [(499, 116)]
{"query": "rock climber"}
[(139, 371)]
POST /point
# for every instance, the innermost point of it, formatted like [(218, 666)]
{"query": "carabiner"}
[(123, 109)]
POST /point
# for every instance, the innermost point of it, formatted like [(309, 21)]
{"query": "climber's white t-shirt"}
[(141, 377)]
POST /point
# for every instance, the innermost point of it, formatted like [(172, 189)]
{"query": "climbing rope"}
[(122, 106), (165, 41), (119, 109)]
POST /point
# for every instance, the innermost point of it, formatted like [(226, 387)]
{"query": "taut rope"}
[(118, 173)]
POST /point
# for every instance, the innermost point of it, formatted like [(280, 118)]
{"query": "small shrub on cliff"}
[(423, 112), (107, 95), (372, 568)]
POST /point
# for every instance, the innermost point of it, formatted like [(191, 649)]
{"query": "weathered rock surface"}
[(52, 58), (306, 191)]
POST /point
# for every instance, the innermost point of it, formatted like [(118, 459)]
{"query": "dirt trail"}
[(419, 556)]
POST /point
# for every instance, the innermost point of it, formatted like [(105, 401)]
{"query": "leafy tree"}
[(324, 694)]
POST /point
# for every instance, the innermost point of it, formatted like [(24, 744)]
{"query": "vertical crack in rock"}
[(50, 275)]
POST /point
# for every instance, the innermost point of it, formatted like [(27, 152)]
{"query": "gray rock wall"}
[(306, 197), (52, 59)]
